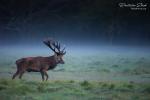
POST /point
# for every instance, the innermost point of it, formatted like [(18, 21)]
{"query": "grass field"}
[(72, 90), (105, 74)]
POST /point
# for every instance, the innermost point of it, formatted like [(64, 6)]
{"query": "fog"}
[(83, 26), (75, 50)]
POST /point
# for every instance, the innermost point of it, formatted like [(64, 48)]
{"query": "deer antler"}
[(54, 45)]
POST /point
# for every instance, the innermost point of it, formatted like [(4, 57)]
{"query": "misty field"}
[(103, 74)]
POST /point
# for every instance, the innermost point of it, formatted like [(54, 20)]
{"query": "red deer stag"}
[(41, 64)]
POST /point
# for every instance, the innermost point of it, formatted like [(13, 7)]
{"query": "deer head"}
[(56, 48)]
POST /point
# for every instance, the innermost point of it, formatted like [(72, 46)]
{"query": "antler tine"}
[(63, 51), (54, 46), (48, 42), (57, 45)]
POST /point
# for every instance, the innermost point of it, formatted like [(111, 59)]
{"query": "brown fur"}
[(41, 64), (37, 64)]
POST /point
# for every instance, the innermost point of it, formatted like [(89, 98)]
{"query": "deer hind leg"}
[(17, 73), (21, 74)]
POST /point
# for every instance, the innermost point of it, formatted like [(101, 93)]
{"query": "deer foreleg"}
[(46, 75), (42, 74)]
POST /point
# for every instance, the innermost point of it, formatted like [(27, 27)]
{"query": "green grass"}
[(104, 76), (72, 90)]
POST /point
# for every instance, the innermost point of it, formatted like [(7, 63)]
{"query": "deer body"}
[(39, 64), (36, 63)]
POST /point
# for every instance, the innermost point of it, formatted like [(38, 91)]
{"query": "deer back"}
[(36, 63)]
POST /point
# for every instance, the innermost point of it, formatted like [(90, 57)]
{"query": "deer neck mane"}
[(53, 58)]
